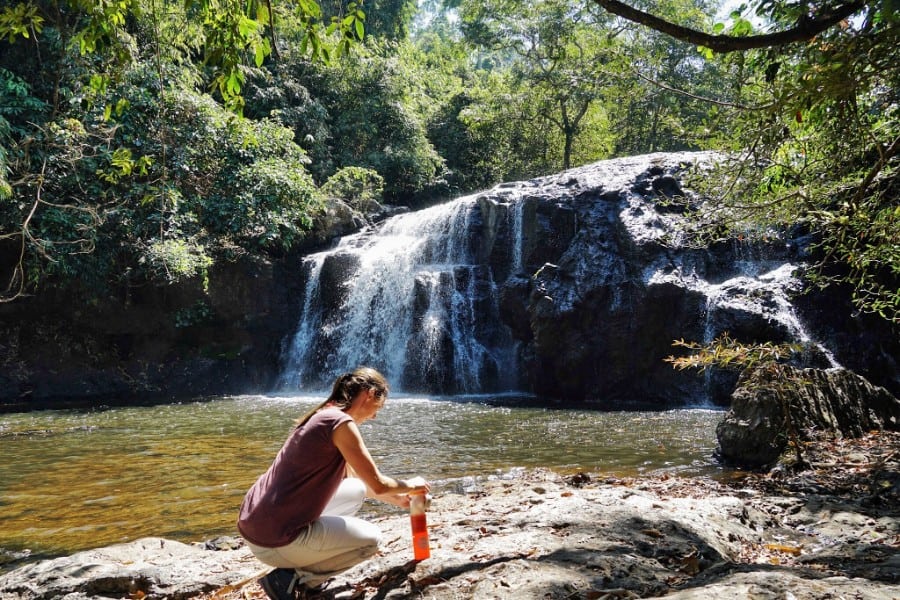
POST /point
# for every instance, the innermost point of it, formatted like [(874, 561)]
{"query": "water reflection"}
[(71, 480)]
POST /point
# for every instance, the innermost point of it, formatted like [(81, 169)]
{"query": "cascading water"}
[(762, 288), (571, 286), (410, 299)]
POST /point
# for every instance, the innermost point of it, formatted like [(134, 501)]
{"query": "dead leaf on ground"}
[(793, 550)]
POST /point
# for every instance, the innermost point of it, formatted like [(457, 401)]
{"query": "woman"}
[(298, 515)]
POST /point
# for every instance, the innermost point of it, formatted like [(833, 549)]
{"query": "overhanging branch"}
[(805, 29)]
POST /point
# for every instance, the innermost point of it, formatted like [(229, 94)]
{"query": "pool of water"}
[(76, 479)]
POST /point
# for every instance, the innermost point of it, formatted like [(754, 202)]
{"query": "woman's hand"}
[(417, 485)]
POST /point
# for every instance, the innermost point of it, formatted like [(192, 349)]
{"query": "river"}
[(77, 479)]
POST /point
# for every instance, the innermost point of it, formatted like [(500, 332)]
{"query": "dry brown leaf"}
[(794, 550), (690, 565)]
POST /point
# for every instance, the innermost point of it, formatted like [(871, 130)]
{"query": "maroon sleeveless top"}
[(292, 493)]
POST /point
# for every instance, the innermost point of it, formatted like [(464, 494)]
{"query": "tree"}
[(86, 151), (372, 125), (559, 53), (809, 21), (651, 112), (385, 19), (816, 120)]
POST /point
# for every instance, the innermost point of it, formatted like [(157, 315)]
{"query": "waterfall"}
[(517, 213), (762, 289), (569, 286), (408, 298)]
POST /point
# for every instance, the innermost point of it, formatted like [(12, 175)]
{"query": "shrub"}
[(358, 186)]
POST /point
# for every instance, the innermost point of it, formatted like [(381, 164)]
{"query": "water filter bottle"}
[(421, 547)]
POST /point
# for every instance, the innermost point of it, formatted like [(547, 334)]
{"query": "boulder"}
[(773, 404)]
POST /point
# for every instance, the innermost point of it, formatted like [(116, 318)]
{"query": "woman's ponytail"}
[(345, 389)]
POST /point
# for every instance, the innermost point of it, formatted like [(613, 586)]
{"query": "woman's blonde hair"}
[(346, 387)]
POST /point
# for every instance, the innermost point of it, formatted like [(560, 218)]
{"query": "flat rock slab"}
[(543, 536), (149, 567)]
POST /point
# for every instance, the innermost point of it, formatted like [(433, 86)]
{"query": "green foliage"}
[(17, 105), (271, 204), (372, 126), (136, 197), (508, 140), (281, 92), (557, 52), (586, 85), (229, 34), (727, 353), (818, 125), (21, 20), (661, 105), (388, 19), (175, 260), (358, 186), (196, 314)]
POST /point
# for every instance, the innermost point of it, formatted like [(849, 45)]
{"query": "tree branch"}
[(805, 29), (884, 157)]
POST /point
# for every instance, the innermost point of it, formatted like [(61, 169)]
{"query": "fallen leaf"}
[(690, 565), (794, 550)]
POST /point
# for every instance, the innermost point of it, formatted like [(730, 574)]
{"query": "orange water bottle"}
[(421, 547)]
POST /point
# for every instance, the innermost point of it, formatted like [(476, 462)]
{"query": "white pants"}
[(331, 544)]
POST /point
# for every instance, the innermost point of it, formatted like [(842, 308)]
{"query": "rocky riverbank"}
[(831, 531)]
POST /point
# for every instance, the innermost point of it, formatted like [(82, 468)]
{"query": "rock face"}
[(194, 338), (167, 343), (604, 285), (772, 404), (571, 287), (577, 282)]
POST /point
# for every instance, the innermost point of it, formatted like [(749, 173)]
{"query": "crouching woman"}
[(298, 516)]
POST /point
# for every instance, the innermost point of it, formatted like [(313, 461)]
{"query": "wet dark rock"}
[(221, 335)]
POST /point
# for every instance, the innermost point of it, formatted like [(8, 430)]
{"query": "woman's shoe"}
[(280, 584)]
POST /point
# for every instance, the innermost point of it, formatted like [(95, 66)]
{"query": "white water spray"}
[(408, 305)]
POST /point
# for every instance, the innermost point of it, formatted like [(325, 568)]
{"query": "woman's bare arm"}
[(349, 442)]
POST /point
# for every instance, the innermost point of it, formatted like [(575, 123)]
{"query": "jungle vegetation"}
[(143, 140)]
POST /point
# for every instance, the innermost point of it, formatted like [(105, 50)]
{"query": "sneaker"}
[(280, 584)]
